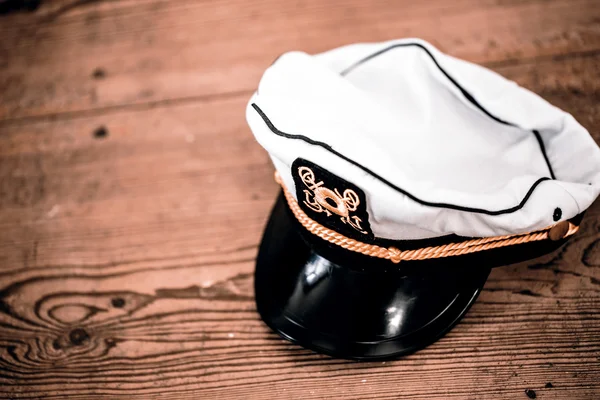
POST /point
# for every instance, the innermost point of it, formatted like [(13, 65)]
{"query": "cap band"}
[(557, 231)]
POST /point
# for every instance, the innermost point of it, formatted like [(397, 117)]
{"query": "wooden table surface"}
[(133, 197)]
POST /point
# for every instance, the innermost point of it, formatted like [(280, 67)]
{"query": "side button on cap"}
[(559, 231)]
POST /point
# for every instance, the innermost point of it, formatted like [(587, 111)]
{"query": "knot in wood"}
[(78, 336)]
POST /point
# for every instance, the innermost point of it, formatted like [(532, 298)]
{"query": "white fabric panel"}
[(398, 115)]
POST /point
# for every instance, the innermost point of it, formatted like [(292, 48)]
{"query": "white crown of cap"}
[(439, 145)]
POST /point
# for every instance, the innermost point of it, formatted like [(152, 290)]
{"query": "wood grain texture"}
[(158, 51), (129, 223)]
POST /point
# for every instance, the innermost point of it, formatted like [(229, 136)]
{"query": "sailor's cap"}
[(395, 152)]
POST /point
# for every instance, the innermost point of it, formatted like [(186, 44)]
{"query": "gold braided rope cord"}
[(395, 255)]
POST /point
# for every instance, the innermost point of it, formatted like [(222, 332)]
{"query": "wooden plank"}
[(187, 170), (107, 54), (126, 271)]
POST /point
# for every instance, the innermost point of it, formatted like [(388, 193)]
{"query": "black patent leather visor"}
[(353, 306)]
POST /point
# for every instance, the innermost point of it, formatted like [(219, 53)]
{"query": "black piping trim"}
[(543, 149), (388, 183), (465, 93), (462, 90)]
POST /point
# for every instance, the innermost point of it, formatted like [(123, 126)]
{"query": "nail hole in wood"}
[(101, 132), (118, 302), (99, 73)]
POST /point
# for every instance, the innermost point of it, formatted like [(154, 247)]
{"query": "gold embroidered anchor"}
[(320, 199)]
